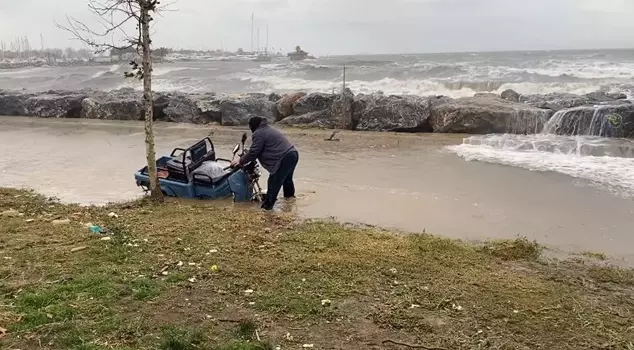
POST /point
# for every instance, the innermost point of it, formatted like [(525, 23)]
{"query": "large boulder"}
[(13, 103), (274, 97), (484, 115), (177, 107), (286, 103), (239, 109), (313, 102), (555, 101), (614, 119), (510, 95), (603, 96), (123, 104), (342, 110), (208, 106), (55, 105), (318, 119), (393, 113), (559, 101)]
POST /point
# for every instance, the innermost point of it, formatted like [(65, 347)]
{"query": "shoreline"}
[(598, 113), (277, 281)]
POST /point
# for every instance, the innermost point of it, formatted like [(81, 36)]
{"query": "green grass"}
[(518, 249), (181, 339), (288, 283), (612, 275), (595, 255), (241, 345)]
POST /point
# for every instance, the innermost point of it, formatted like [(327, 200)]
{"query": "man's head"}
[(254, 123)]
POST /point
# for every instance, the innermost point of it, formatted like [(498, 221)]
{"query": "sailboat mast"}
[(252, 32), (266, 49)]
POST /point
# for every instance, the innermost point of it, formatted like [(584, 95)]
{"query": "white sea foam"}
[(24, 71), (159, 71), (612, 168), (417, 86), (596, 70), (113, 69)]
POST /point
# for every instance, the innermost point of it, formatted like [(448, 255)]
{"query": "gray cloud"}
[(354, 26)]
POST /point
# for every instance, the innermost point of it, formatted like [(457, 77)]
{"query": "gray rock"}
[(319, 119), (393, 113), (555, 101), (617, 95), (559, 101), (602, 96), (123, 104), (239, 109), (342, 110), (13, 103), (55, 105), (274, 97), (615, 119), (510, 95), (208, 108), (485, 94), (313, 102), (285, 104), (477, 115), (258, 95), (176, 107)]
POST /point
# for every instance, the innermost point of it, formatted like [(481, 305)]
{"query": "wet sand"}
[(404, 181)]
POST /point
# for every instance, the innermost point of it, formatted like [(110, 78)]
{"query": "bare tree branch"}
[(114, 16)]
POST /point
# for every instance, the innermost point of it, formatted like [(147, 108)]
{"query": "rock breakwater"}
[(480, 114)]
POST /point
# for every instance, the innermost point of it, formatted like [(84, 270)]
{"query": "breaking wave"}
[(455, 75), (606, 163)]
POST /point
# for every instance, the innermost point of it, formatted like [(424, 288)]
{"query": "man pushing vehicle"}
[(276, 154)]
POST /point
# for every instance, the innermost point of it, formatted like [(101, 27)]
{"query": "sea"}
[(450, 74)]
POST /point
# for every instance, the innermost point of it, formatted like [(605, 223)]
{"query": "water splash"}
[(601, 120), (574, 142), (556, 144)]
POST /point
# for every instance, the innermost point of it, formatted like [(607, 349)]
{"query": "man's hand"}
[(235, 162)]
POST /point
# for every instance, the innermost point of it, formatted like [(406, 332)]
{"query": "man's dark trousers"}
[(283, 177)]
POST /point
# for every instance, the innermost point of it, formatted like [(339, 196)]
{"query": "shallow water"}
[(409, 182)]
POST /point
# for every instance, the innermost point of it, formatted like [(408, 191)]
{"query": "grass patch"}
[(151, 285), (242, 345), (517, 249), (181, 339), (144, 289), (612, 275), (246, 330), (595, 255)]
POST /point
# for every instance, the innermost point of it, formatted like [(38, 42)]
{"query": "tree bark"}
[(155, 189)]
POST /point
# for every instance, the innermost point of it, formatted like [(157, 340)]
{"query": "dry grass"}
[(288, 283)]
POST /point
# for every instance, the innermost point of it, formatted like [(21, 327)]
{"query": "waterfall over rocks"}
[(610, 120)]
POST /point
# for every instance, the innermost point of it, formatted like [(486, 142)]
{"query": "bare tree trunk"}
[(155, 189)]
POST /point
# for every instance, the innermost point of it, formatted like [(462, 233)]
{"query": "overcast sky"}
[(356, 26)]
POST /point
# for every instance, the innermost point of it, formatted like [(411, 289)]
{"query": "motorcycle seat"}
[(202, 179)]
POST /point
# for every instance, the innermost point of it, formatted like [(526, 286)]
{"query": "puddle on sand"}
[(409, 182)]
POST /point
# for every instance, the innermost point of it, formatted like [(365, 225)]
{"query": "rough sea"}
[(450, 74)]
